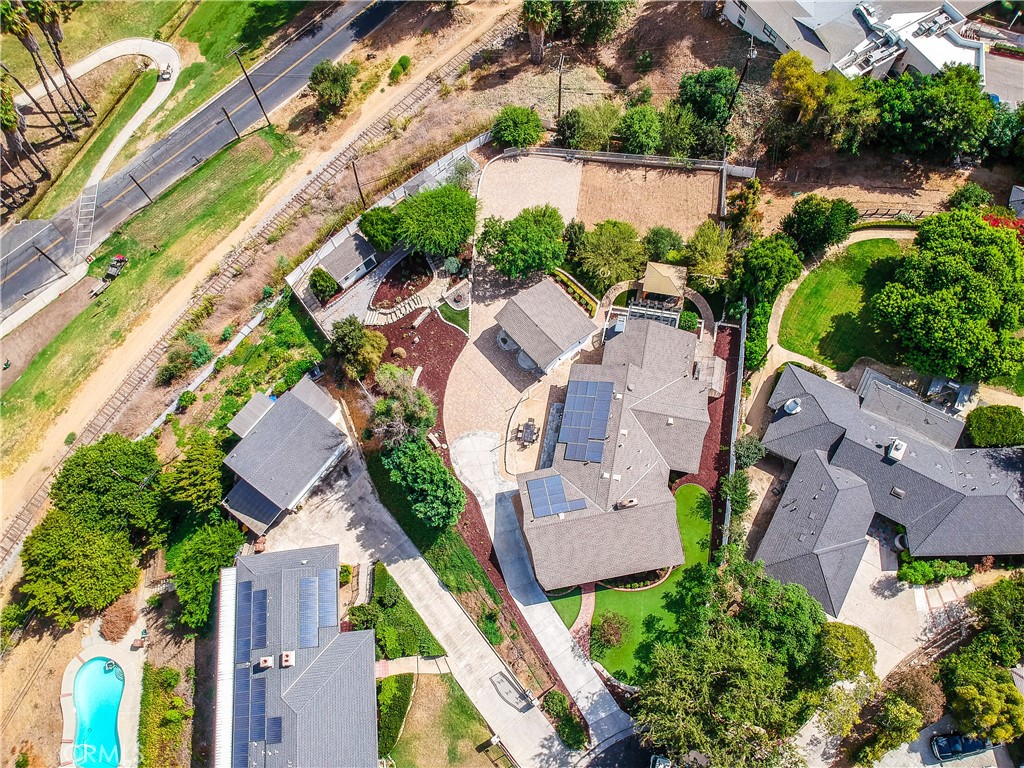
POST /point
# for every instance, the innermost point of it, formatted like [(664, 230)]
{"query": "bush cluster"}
[(915, 571), (394, 695), (994, 426), (399, 68), (517, 127), (398, 628), (582, 299), (607, 632), (568, 724)]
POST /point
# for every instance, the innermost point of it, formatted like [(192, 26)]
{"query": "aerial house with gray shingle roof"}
[(604, 508), (287, 445), (292, 690), (953, 502), (544, 325)]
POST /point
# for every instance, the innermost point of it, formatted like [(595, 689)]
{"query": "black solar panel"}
[(328, 598), (585, 419), (259, 618), (274, 730), (547, 497), (240, 723), (308, 613), (243, 622), (258, 710)]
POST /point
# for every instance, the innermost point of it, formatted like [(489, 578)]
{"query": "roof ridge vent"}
[(792, 406)]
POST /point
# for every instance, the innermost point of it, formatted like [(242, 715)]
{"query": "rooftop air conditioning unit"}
[(626, 503), (792, 405), (671, 421), (266, 662), (287, 659), (897, 449)]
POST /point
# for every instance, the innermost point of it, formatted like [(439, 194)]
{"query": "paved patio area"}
[(508, 185)]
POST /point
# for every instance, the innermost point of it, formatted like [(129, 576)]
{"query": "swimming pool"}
[(99, 686)]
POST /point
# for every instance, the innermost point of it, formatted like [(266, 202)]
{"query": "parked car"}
[(956, 746)]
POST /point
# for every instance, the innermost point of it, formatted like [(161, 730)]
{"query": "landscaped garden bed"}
[(407, 278)]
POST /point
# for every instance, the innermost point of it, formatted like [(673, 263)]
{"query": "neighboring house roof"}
[(666, 279), (251, 413), (954, 502), (817, 537), (656, 422), (321, 711), (1017, 201), (347, 257), (545, 322), (283, 454)]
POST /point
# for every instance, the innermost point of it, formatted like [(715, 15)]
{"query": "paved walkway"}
[(580, 629), (431, 296), (345, 510), (412, 665), (161, 54), (475, 458), (356, 300)]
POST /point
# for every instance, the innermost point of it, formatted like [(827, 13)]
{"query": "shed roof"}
[(250, 414), (347, 256), (545, 322), (665, 279)]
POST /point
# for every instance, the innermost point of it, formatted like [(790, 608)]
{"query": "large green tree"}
[(707, 254), (331, 84), (437, 222), (956, 301), (537, 15), (817, 222), (113, 483), (197, 479), (640, 129), (766, 267), (358, 348), (708, 93), (437, 497), (208, 550), (612, 252), (590, 22), (846, 651), (74, 565), (530, 242), (799, 83)]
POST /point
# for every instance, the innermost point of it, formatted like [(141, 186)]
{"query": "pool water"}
[(97, 697)]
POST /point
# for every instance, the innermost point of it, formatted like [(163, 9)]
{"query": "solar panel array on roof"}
[(585, 419), (243, 622), (259, 618), (328, 598), (240, 725), (274, 730), (547, 497), (308, 613), (258, 710)]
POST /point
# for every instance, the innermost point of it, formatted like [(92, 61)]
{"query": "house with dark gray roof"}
[(544, 325), (349, 259), (287, 445), (603, 508), (292, 690), (953, 502)]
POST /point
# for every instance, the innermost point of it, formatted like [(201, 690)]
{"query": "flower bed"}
[(407, 278), (637, 581), (584, 301)]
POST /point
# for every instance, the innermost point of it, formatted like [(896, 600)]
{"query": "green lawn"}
[(828, 318), (446, 731), (568, 606), (92, 26), (459, 317), (161, 244), (71, 183), (623, 299), (693, 511), (1015, 383)]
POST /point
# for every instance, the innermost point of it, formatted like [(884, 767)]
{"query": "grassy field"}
[(162, 245), (92, 26), (71, 183), (828, 318), (567, 606), (1015, 383), (693, 511), (442, 728), (459, 317)]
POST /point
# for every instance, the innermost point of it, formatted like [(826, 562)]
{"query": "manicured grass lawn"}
[(458, 317), (568, 606), (693, 511), (623, 299), (828, 318), (71, 183), (1016, 383), (161, 244), (442, 728)]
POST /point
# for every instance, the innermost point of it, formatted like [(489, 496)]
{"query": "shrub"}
[(380, 227), (736, 488), (437, 222), (915, 571), (452, 265), (640, 128), (749, 451), (590, 127), (756, 350), (322, 284), (178, 362), (607, 632), (228, 332), (996, 426), (70, 438), (919, 687), (573, 238), (187, 398), (331, 84), (393, 697), (517, 127), (689, 321), (898, 723), (488, 623), (567, 724), (817, 222), (344, 574), (437, 497), (399, 68), (530, 242), (208, 550), (970, 195), (118, 618), (22, 760)]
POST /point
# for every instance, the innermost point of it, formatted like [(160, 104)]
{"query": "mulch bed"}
[(714, 462), (408, 277)]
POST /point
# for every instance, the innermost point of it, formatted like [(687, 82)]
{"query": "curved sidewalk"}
[(161, 54)]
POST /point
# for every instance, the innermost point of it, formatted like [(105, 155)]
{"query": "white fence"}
[(686, 164)]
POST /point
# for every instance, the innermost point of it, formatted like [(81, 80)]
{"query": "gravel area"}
[(510, 185)]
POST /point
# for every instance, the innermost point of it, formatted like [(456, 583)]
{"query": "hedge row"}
[(757, 336), (582, 299), (394, 694)]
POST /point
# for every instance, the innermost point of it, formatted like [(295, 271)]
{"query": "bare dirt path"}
[(20, 485)]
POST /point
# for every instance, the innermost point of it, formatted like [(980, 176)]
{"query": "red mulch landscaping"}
[(714, 462), (408, 277)]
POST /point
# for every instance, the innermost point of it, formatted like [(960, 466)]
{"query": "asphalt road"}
[(35, 253)]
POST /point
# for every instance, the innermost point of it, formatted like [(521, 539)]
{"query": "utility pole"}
[(751, 55), (230, 123), (46, 256), (237, 54), (358, 185), (561, 61), (140, 187)]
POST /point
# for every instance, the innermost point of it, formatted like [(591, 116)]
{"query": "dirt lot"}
[(646, 197)]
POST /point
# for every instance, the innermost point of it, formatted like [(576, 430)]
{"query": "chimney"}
[(287, 659), (266, 662)]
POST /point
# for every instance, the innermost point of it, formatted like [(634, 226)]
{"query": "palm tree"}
[(537, 15), (35, 104), (14, 21), (48, 14), (12, 122)]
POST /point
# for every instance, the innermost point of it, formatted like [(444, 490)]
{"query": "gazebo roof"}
[(666, 279)]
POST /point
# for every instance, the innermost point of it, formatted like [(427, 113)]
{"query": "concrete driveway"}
[(919, 752)]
